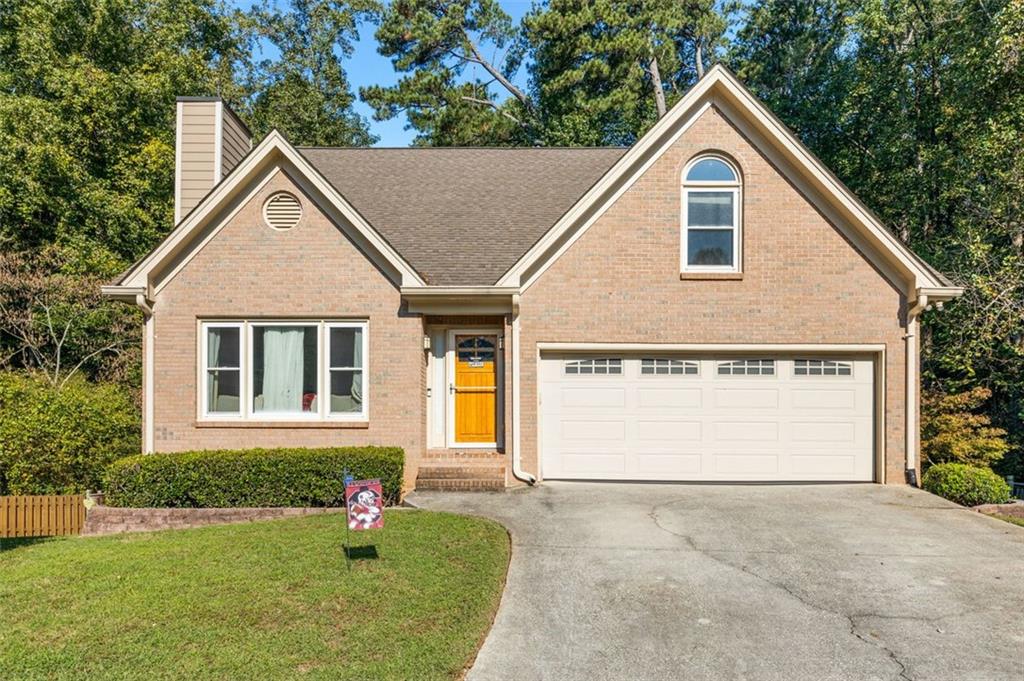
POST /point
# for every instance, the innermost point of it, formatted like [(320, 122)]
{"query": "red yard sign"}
[(364, 502)]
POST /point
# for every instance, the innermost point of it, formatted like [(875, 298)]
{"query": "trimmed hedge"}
[(250, 477), (966, 485)]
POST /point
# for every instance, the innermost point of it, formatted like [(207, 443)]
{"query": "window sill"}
[(282, 424), (711, 276)]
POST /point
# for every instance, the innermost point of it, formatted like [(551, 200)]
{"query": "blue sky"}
[(367, 67)]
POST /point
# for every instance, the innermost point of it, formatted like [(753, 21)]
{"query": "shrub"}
[(59, 440), (966, 485), (951, 431), (250, 477)]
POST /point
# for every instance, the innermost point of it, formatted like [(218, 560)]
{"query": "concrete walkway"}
[(822, 582)]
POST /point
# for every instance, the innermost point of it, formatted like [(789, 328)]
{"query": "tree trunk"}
[(698, 57), (659, 91)]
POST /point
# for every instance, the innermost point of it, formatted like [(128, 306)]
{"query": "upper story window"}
[(711, 216)]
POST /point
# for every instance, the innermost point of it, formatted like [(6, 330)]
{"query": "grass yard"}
[(267, 600)]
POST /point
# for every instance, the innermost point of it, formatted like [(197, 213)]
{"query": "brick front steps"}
[(462, 470)]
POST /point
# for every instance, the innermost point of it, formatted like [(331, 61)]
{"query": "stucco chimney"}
[(210, 140)]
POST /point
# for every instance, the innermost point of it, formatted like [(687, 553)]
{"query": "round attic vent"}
[(282, 211)]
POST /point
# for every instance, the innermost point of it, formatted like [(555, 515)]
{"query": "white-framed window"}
[(265, 370), (346, 345), (821, 367), (602, 366), (222, 369), (711, 239), (747, 367), (668, 367)]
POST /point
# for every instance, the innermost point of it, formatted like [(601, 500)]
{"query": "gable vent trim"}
[(282, 211)]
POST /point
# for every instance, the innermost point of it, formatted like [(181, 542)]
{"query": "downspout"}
[(517, 470), (912, 368), (147, 372)]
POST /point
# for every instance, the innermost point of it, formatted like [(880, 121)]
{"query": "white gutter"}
[(148, 357), (517, 470), (912, 369)]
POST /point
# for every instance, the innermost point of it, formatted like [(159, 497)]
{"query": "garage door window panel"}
[(596, 366), (821, 367), (747, 367), (668, 367)]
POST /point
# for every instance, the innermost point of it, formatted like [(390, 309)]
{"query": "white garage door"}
[(780, 418)]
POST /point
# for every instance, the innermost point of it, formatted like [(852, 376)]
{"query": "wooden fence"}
[(41, 516)]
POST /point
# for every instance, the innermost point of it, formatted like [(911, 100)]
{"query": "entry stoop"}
[(464, 471)]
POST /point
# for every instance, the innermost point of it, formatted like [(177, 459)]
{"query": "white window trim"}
[(246, 411), (735, 188), (325, 373), (204, 371)]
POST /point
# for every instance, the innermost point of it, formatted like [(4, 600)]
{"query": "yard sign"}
[(364, 505)]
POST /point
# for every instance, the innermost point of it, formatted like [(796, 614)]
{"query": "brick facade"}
[(802, 282), (312, 271)]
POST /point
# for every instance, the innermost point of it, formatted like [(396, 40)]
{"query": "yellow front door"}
[(475, 388)]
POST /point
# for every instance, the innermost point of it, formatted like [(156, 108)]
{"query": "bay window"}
[(283, 370)]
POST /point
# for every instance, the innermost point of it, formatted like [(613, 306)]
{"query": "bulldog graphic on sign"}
[(364, 502)]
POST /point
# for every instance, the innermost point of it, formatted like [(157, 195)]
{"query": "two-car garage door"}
[(675, 417)]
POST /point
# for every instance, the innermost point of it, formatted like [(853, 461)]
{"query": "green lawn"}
[(268, 600)]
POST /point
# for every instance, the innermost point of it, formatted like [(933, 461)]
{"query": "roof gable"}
[(721, 89), (273, 153)]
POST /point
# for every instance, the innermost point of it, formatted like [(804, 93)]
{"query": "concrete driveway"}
[(629, 581)]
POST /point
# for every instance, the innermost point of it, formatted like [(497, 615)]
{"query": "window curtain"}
[(282, 369), (357, 361), (212, 353)]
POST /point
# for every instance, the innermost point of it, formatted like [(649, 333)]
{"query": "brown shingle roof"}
[(462, 216)]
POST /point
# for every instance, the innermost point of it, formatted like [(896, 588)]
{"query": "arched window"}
[(711, 216)]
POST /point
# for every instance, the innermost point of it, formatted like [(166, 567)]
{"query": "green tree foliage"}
[(60, 441), (601, 71), (919, 108), (604, 71), (87, 120), (797, 54), (452, 91), (304, 91), (953, 431), (87, 92)]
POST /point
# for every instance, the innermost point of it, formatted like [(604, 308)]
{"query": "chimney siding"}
[(211, 140)]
